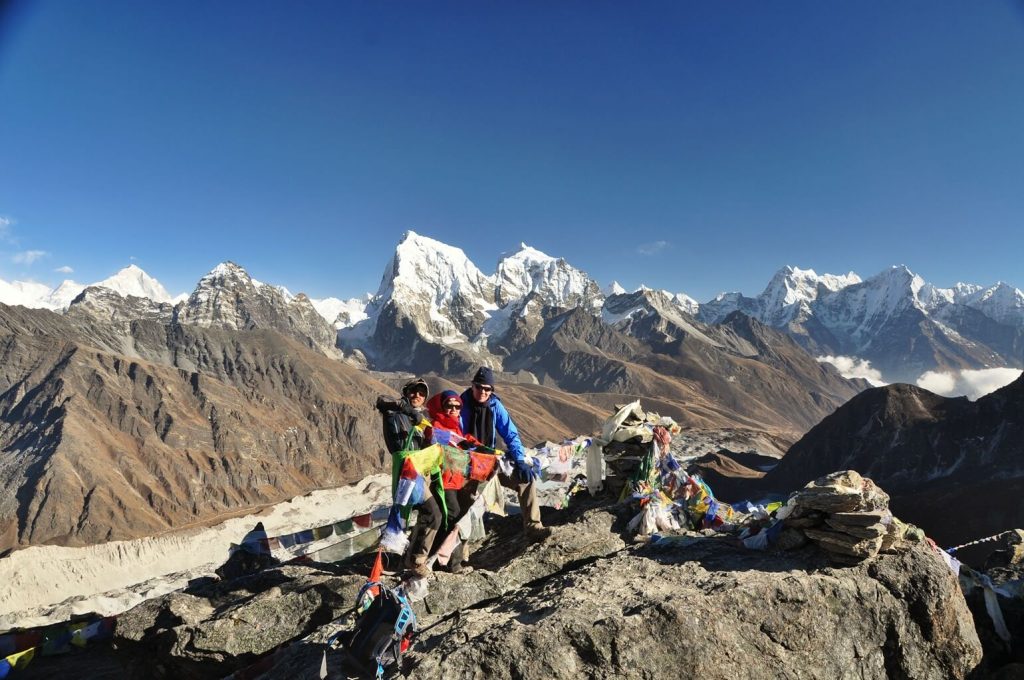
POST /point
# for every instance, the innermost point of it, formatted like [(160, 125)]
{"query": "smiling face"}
[(481, 393), (417, 395)]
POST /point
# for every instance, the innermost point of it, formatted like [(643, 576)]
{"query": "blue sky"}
[(692, 146)]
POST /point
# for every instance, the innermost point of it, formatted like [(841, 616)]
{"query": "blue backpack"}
[(383, 630)]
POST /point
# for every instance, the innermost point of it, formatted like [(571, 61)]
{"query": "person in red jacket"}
[(444, 409)]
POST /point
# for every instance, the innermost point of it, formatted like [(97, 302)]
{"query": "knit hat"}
[(485, 376), (449, 395)]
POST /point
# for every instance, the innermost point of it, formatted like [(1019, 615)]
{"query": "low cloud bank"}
[(852, 367), (969, 383)]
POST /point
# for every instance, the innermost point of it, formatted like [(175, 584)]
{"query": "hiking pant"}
[(458, 502), (428, 523), (527, 498)]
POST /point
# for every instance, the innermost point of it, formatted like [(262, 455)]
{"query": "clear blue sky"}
[(302, 139)]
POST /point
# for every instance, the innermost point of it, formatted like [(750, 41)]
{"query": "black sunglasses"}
[(483, 388)]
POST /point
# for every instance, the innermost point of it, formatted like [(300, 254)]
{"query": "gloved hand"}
[(527, 472)]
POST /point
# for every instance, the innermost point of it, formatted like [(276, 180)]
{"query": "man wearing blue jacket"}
[(485, 417)]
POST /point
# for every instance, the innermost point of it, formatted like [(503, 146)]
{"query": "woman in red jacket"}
[(459, 493)]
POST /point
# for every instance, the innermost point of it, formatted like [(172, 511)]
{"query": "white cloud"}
[(27, 257), (969, 383), (5, 229), (64, 270), (938, 382), (852, 367), (652, 248)]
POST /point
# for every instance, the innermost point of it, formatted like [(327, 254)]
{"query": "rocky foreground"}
[(586, 602)]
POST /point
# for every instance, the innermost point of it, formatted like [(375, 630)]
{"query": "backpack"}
[(383, 630)]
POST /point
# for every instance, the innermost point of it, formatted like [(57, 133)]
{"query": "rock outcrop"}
[(586, 603)]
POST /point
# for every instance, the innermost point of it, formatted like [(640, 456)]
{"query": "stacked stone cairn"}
[(847, 516)]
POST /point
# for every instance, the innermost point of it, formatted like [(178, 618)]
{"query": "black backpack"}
[(383, 630)]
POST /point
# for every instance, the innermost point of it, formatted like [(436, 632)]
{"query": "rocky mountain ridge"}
[(432, 293)]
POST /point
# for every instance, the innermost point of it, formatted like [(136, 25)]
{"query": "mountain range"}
[(436, 310), (901, 324)]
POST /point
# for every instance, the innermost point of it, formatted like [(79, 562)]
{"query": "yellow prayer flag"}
[(21, 659), (426, 461)]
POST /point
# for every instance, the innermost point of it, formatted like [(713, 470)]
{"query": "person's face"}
[(452, 407), (417, 396), (482, 392)]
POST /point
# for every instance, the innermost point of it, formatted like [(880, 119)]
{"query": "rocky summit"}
[(588, 602)]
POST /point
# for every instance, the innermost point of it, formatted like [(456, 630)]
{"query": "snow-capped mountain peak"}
[(791, 284), (129, 281), (528, 256), (226, 271), (25, 293), (62, 296), (423, 266), (791, 290), (687, 303), (613, 288), (1002, 302), (553, 280), (342, 313), (132, 280)]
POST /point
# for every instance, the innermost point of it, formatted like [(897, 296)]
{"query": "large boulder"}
[(221, 627), (706, 608)]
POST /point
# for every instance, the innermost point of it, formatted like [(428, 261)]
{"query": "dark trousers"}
[(428, 524)]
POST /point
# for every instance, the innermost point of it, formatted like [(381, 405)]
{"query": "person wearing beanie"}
[(484, 417), (459, 493), (401, 434)]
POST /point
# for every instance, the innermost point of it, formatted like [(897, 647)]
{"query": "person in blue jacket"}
[(485, 417)]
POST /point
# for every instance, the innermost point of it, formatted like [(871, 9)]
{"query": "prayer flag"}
[(481, 466), (19, 660)]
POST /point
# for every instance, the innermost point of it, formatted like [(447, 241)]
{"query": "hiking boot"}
[(421, 570), (536, 534), (459, 568)]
